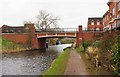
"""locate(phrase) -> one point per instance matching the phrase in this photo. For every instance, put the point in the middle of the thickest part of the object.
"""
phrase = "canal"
(30, 62)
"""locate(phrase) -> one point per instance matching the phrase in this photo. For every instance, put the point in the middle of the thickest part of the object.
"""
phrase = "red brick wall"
(61, 34)
(79, 36)
(77, 39)
(17, 38)
(95, 26)
(87, 36)
(106, 19)
(21, 39)
(40, 34)
(70, 34)
(111, 6)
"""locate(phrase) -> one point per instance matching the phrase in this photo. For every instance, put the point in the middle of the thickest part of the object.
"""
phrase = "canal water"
(30, 62)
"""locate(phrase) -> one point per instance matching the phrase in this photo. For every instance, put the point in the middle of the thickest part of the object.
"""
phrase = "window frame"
(119, 6)
(113, 11)
(92, 23)
(98, 22)
(97, 29)
(118, 23)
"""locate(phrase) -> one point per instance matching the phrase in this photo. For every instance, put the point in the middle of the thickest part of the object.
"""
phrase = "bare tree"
(46, 21)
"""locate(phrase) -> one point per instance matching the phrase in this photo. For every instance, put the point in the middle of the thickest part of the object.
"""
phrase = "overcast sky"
(71, 12)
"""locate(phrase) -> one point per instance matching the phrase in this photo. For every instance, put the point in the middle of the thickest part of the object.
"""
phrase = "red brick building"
(10, 29)
(95, 23)
(111, 19)
(106, 19)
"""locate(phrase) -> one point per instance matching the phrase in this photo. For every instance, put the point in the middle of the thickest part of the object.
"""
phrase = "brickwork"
(30, 37)
(17, 38)
(95, 23)
(112, 16)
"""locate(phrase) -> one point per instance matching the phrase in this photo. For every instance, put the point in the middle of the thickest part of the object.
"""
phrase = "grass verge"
(8, 46)
(59, 65)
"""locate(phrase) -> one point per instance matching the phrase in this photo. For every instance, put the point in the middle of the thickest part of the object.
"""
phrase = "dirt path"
(75, 65)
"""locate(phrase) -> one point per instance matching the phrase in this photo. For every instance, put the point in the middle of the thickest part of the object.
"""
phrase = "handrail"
(57, 30)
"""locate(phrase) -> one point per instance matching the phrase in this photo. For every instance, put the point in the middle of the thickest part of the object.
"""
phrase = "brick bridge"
(37, 39)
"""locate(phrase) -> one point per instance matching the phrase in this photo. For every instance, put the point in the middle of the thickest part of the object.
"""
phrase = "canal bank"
(30, 62)
(8, 46)
(59, 64)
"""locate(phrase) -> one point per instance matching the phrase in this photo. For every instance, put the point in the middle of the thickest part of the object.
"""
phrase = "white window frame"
(11, 30)
(19, 31)
(113, 11)
(119, 6)
(113, 25)
(7, 30)
(98, 22)
(119, 16)
(107, 17)
(118, 23)
(92, 29)
(97, 29)
(92, 23)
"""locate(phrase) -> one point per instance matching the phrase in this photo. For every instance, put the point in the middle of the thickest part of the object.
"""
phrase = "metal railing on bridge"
(85, 31)
(58, 30)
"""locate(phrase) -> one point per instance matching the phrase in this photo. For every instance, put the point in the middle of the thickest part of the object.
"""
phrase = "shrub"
(87, 43)
(107, 41)
(116, 55)
(96, 44)
(80, 49)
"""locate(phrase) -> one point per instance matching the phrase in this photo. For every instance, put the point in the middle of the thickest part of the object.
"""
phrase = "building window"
(107, 17)
(113, 11)
(103, 23)
(97, 29)
(119, 16)
(19, 31)
(7, 31)
(12, 31)
(92, 29)
(113, 25)
(92, 23)
(118, 23)
(98, 23)
(119, 6)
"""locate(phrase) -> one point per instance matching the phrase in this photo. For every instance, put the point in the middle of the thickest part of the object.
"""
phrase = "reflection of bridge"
(27, 35)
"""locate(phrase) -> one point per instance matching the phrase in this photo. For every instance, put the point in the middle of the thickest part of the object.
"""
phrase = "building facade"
(10, 29)
(106, 19)
(111, 19)
(95, 24)
(118, 14)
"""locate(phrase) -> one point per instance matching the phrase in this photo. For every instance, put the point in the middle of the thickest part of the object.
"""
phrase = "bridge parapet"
(55, 35)
(58, 30)
(92, 31)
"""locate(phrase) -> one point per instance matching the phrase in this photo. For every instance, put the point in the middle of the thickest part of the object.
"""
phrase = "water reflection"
(30, 62)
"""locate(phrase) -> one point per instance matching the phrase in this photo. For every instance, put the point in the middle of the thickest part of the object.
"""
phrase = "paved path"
(75, 65)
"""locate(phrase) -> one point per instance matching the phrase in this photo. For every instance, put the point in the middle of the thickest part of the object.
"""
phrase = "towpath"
(75, 65)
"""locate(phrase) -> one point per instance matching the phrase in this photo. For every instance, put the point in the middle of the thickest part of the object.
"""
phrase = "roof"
(6, 28)
(95, 19)
(17, 27)
(110, 1)
(106, 13)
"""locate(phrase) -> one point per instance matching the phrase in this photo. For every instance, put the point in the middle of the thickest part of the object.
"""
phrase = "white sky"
(71, 12)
